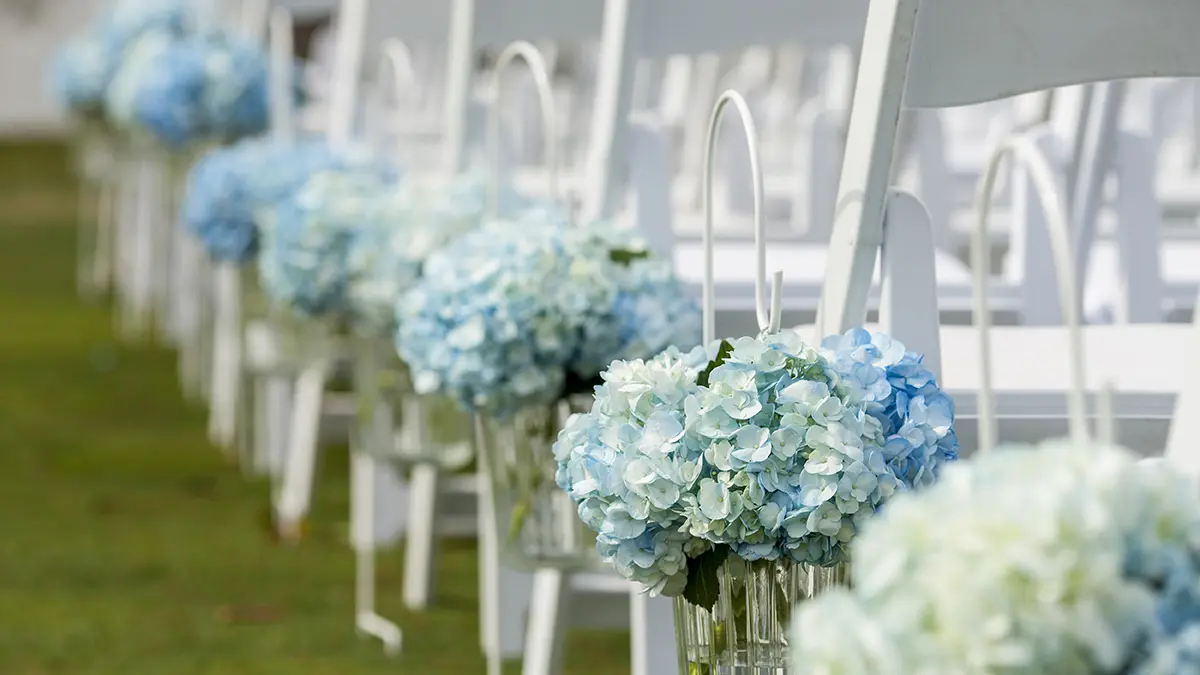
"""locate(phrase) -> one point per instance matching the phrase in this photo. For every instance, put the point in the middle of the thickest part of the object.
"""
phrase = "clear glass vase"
(398, 425)
(746, 632)
(536, 522)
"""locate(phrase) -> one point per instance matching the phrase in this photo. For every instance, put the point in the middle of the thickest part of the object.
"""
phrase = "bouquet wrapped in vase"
(735, 477)
(340, 253)
(515, 321)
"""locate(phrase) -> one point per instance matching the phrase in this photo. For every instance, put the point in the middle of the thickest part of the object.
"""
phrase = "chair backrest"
(639, 29)
(942, 53)
(476, 24)
(464, 27)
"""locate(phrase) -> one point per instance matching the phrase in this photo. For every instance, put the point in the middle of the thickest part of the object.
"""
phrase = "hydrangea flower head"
(528, 309)
(650, 309)
(182, 87)
(763, 450)
(138, 63)
(1055, 559)
(483, 326)
(229, 188)
(236, 88)
(80, 73)
(169, 93)
(405, 227)
(917, 416)
(305, 262)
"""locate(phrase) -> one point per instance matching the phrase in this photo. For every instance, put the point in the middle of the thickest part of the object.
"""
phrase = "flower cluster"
(1055, 559)
(305, 259)
(917, 417)
(81, 72)
(229, 188)
(527, 310)
(211, 86)
(650, 308)
(765, 452)
(163, 68)
(401, 229)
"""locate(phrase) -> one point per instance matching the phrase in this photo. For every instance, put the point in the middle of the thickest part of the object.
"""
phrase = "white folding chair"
(634, 30)
(468, 27)
(939, 53)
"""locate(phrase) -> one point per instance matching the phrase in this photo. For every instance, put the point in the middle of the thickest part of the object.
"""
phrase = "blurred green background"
(128, 546)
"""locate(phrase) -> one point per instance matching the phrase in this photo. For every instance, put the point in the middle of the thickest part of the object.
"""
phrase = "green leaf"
(519, 514)
(723, 353)
(783, 606)
(625, 256)
(703, 585)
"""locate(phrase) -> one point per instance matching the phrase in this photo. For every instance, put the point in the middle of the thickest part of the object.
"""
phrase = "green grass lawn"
(129, 547)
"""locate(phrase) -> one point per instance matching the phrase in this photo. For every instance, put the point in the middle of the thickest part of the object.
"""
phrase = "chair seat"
(1180, 260)
(1031, 359)
(803, 266)
(1030, 374)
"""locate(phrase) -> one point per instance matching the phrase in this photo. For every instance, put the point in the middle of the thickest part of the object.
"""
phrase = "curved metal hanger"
(536, 63)
(768, 320)
(1025, 151)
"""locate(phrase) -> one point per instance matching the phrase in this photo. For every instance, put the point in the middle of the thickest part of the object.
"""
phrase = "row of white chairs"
(629, 151)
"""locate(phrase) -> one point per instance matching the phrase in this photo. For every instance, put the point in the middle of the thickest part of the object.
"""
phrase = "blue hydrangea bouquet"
(164, 70)
(209, 87)
(82, 70)
(340, 253)
(735, 477)
(515, 321)
(231, 192)
(1060, 558)
(231, 189)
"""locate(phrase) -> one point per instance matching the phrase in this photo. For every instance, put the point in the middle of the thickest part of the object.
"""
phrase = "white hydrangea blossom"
(1056, 559)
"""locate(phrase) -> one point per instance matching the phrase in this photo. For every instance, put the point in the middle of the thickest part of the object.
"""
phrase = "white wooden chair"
(469, 27)
(1145, 270)
(821, 25)
(635, 30)
(935, 53)
(914, 58)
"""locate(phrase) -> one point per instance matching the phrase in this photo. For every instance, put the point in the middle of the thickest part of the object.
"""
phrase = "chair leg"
(278, 404)
(420, 541)
(363, 471)
(227, 356)
(547, 629)
(295, 493)
(652, 634)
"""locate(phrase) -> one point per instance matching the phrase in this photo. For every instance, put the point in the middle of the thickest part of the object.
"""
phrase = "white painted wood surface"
(28, 42)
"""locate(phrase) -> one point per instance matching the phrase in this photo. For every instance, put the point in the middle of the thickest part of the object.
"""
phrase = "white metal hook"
(349, 44)
(1024, 150)
(397, 57)
(536, 63)
(767, 320)
(283, 65)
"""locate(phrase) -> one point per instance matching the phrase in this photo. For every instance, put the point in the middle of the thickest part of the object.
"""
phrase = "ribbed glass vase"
(397, 424)
(536, 522)
(746, 632)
